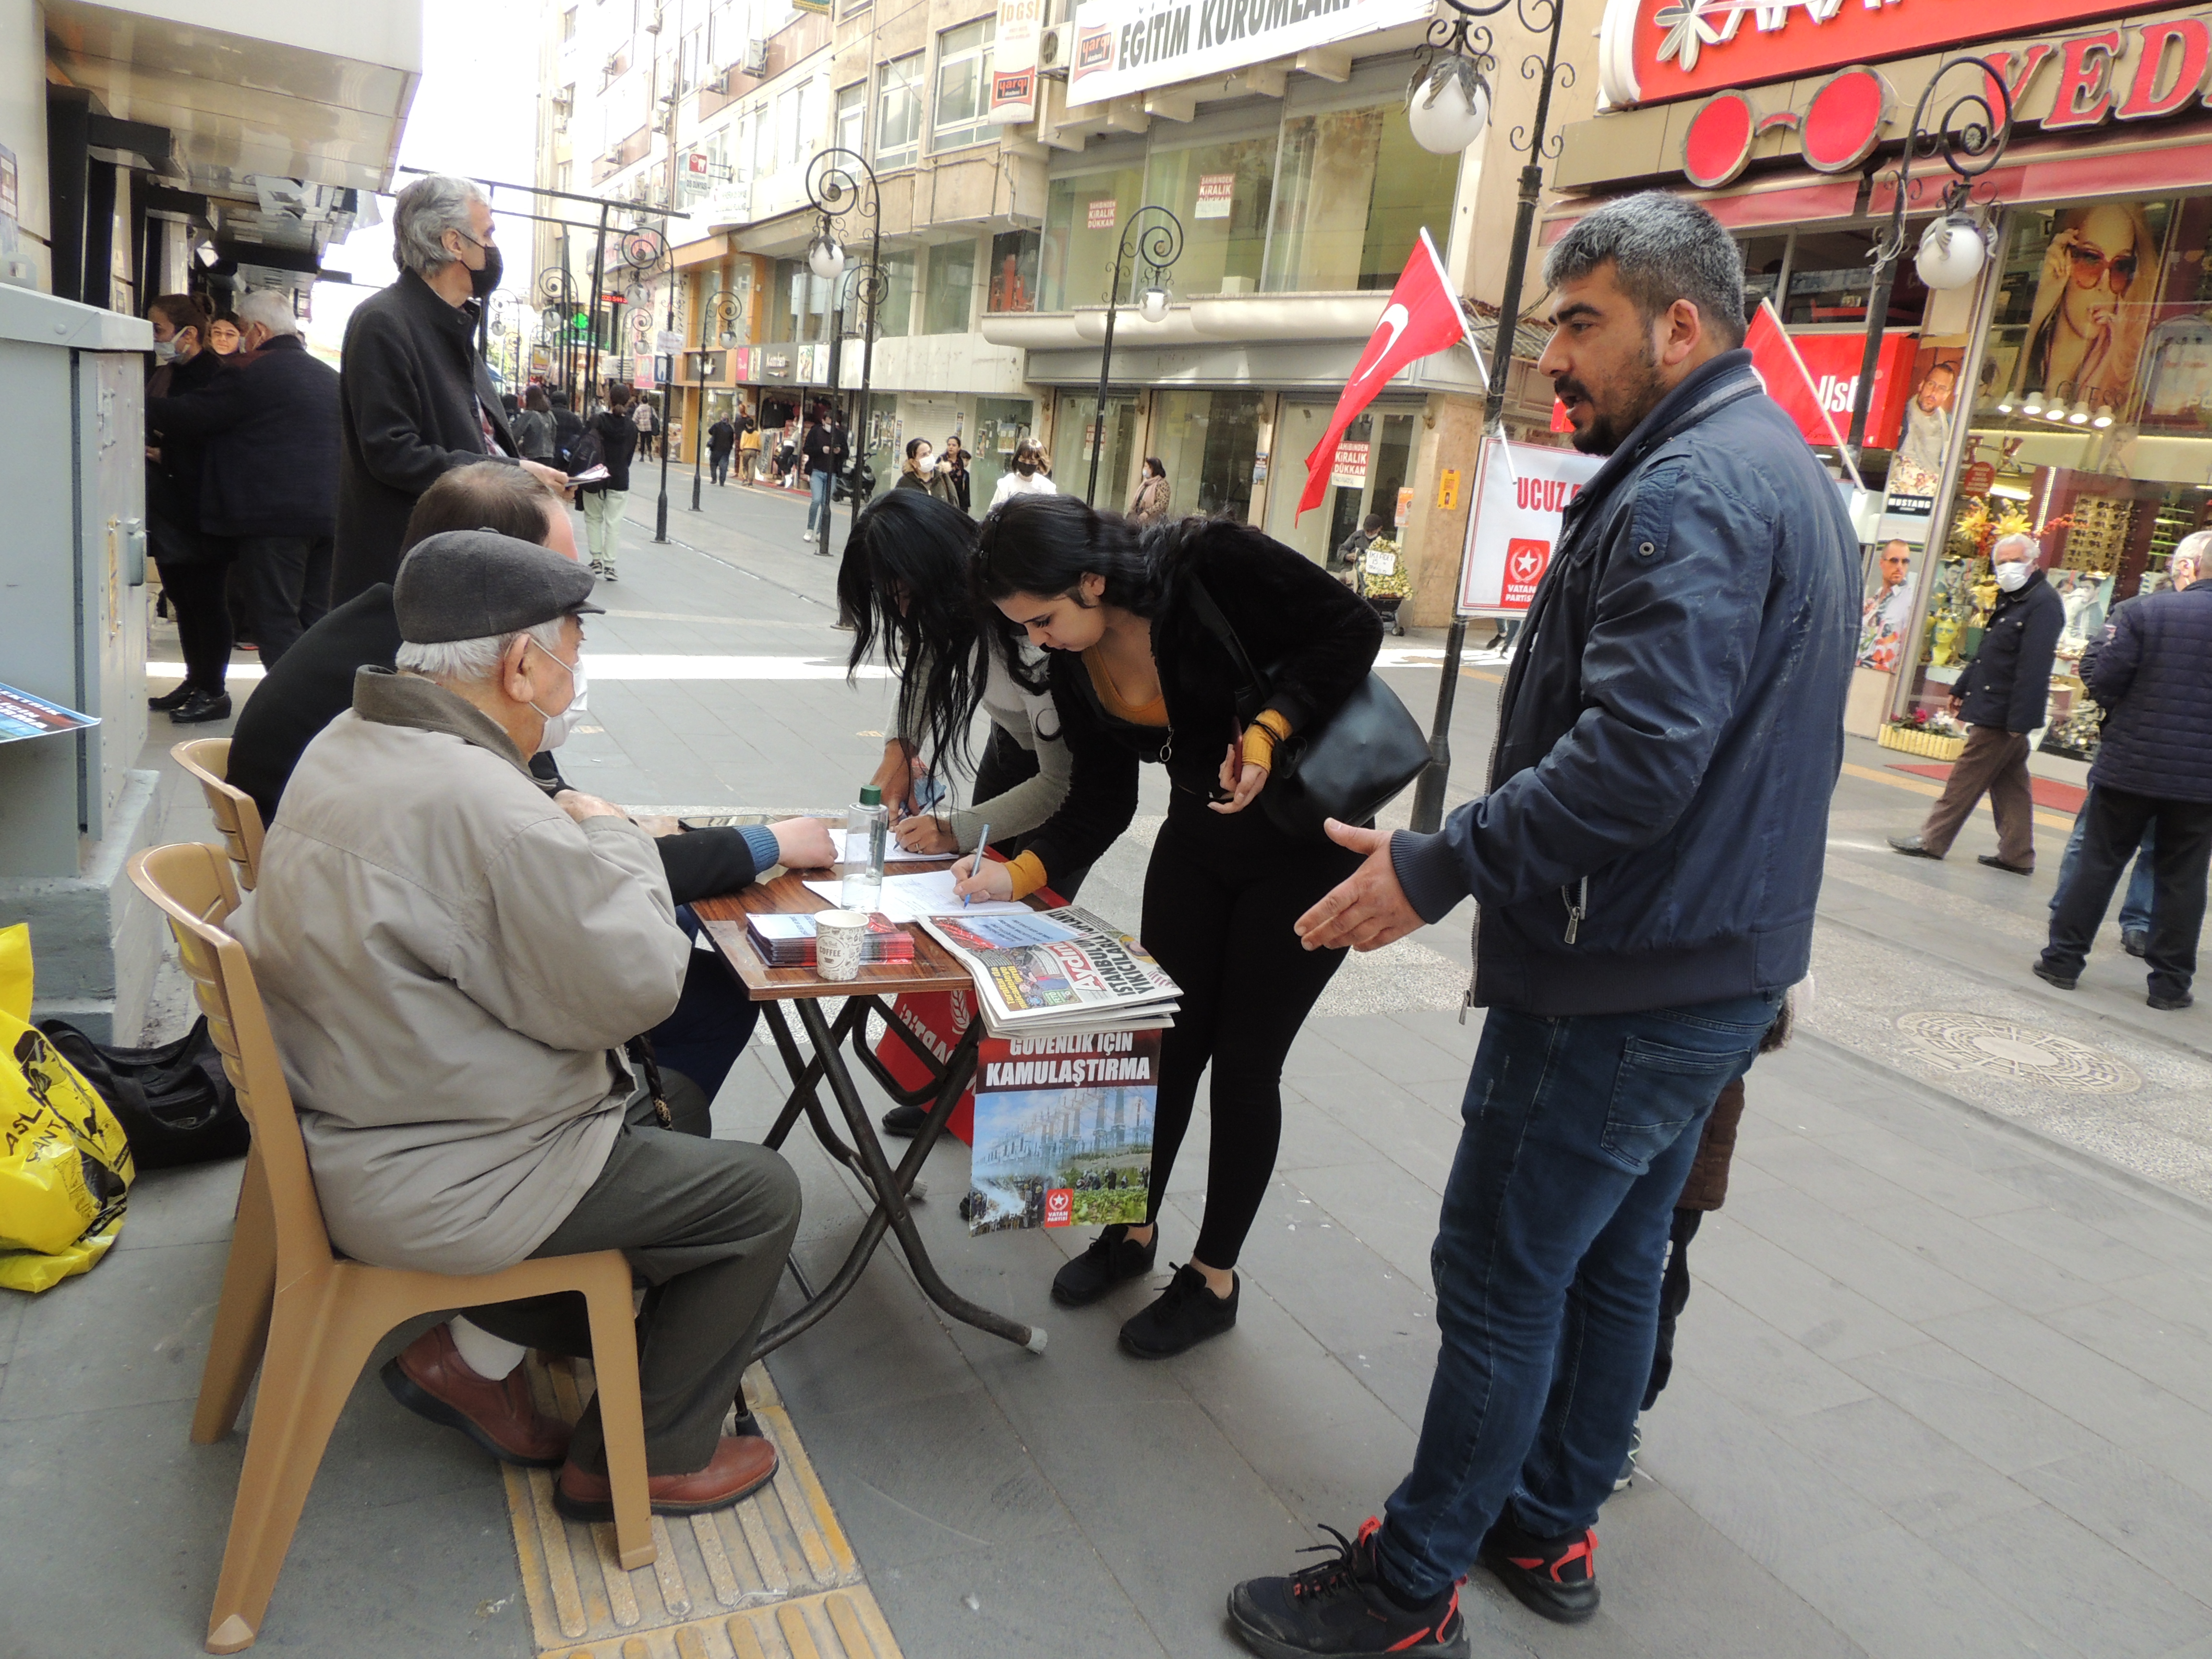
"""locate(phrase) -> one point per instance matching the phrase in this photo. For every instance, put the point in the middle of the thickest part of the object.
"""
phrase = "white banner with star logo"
(1520, 491)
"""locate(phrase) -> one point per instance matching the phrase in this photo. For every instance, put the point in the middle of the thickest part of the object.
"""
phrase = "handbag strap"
(1210, 616)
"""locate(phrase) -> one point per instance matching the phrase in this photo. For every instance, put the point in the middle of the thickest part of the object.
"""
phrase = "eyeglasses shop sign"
(1126, 46)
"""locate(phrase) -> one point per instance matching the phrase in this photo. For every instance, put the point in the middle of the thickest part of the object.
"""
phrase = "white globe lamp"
(1952, 251)
(1448, 106)
(1152, 303)
(825, 257)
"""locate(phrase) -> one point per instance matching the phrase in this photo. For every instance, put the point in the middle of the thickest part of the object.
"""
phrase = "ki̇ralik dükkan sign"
(1800, 69)
(1127, 46)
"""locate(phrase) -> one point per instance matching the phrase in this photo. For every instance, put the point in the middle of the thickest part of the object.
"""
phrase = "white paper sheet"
(909, 898)
(856, 850)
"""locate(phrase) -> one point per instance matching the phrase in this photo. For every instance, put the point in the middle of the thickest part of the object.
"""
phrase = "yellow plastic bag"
(66, 1169)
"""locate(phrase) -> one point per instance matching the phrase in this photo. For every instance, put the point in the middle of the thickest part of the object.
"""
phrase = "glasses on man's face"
(2092, 266)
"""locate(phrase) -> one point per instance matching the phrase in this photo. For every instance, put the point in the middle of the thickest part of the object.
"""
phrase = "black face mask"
(485, 278)
(1026, 468)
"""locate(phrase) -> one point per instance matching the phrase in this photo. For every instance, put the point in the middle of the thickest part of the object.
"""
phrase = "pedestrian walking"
(605, 501)
(823, 456)
(721, 438)
(415, 399)
(2002, 697)
(1136, 626)
(534, 434)
(1646, 858)
(1027, 477)
(269, 476)
(1150, 504)
(924, 470)
(955, 473)
(568, 428)
(749, 450)
(649, 424)
(2152, 672)
(193, 566)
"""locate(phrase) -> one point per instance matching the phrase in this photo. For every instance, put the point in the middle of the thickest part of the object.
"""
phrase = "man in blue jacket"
(2153, 674)
(1646, 864)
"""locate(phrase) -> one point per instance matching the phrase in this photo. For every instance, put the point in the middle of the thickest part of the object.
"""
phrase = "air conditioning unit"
(1055, 45)
(756, 59)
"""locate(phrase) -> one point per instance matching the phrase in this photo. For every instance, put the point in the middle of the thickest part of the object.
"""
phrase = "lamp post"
(1153, 241)
(863, 288)
(1448, 107)
(1970, 138)
(839, 183)
(720, 313)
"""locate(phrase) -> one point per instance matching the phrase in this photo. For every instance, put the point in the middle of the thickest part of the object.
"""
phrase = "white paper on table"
(909, 898)
(856, 850)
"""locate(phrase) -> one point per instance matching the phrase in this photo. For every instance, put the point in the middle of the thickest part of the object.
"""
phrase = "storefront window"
(894, 311)
(2090, 429)
(1832, 280)
(799, 303)
(1000, 424)
(1074, 434)
(1085, 217)
(1352, 194)
(1207, 439)
(1221, 193)
(1014, 257)
(950, 296)
(1374, 460)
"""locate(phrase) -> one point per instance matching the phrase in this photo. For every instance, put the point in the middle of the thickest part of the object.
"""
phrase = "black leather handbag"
(175, 1102)
(1351, 764)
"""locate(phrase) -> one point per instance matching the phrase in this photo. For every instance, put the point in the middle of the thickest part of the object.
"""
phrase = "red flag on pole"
(1423, 317)
(1775, 359)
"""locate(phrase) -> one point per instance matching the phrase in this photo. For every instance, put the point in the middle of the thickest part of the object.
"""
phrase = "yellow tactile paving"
(772, 1578)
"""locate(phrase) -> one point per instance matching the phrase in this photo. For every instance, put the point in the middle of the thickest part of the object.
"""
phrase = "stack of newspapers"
(1063, 970)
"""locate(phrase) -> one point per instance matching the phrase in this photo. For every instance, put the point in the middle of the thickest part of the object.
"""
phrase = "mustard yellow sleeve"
(1028, 871)
(1262, 737)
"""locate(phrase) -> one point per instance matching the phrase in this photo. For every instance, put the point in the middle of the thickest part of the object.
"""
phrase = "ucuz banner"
(1125, 46)
(1520, 491)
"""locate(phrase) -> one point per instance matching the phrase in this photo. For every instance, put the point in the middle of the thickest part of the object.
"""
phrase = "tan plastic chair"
(208, 759)
(317, 1315)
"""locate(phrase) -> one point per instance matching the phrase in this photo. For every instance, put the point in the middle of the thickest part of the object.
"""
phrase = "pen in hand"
(981, 842)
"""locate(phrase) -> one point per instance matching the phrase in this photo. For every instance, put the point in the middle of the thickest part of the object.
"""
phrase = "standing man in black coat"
(2001, 695)
(268, 480)
(415, 397)
(2153, 674)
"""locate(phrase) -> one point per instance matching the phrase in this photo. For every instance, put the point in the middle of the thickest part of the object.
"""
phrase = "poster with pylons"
(1063, 1130)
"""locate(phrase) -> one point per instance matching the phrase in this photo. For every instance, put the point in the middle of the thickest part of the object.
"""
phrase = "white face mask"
(558, 726)
(2013, 577)
(164, 351)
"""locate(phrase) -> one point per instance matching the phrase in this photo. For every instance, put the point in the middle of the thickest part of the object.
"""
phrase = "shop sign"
(1126, 46)
(1014, 61)
(1350, 469)
(1653, 52)
(1831, 364)
(2146, 72)
(778, 365)
(1977, 478)
(1520, 491)
(1100, 215)
(1215, 192)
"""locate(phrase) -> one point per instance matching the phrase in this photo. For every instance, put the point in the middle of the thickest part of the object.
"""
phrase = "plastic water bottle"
(864, 887)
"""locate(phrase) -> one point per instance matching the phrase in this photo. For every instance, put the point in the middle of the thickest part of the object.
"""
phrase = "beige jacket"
(448, 960)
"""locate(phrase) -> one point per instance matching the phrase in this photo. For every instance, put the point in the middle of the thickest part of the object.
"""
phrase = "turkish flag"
(1423, 317)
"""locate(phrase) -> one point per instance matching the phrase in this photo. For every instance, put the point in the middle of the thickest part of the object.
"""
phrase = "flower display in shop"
(1384, 586)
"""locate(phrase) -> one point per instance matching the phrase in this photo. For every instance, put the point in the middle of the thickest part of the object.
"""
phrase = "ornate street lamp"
(1970, 138)
(719, 317)
(1152, 243)
(1448, 106)
(841, 183)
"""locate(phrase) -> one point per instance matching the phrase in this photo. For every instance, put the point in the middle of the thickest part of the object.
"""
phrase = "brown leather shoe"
(742, 1465)
(430, 1378)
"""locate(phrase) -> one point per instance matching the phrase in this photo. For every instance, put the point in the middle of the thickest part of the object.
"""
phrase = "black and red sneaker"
(1340, 1608)
(1555, 1576)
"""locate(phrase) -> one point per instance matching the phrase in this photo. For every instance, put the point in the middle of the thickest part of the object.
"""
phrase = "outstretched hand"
(1367, 909)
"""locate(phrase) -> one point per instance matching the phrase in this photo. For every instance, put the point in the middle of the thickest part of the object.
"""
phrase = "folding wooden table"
(933, 968)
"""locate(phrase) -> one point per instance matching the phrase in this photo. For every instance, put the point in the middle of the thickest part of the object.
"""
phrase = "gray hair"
(1662, 249)
(470, 662)
(2034, 547)
(2196, 544)
(272, 310)
(424, 212)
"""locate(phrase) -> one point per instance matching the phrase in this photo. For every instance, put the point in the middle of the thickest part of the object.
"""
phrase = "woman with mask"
(922, 471)
(955, 473)
(1133, 621)
(1028, 476)
(1150, 504)
(192, 565)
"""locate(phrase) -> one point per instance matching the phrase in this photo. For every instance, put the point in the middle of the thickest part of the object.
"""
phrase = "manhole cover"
(1973, 1044)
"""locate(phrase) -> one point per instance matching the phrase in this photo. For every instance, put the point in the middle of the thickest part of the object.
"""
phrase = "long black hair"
(1046, 545)
(908, 545)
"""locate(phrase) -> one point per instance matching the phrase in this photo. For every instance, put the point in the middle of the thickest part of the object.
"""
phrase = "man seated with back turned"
(453, 965)
(313, 685)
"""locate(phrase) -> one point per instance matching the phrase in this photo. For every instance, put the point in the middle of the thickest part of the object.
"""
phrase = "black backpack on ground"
(175, 1102)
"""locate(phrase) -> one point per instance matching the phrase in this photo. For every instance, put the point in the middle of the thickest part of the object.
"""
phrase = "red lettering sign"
(1975, 478)
(1524, 567)
(1831, 361)
(1059, 1206)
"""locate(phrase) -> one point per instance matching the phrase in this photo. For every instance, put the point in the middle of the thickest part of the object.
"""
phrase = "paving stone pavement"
(1944, 1386)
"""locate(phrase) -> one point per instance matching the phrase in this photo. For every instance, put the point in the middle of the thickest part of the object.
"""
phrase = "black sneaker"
(1187, 1314)
(905, 1121)
(2170, 1001)
(1555, 1576)
(1113, 1257)
(183, 694)
(201, 706)
(1341, 1607)
(2050, 975)
(2136, 941)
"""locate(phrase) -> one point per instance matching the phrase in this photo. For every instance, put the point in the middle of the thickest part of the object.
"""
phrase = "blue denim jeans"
(1580, 1132)
(2134, 907)
(817, 509)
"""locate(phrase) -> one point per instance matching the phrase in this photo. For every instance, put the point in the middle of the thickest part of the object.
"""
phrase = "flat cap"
(478, 584)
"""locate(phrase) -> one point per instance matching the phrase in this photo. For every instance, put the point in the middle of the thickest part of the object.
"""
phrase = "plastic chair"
(317, 1315)
(208, 759)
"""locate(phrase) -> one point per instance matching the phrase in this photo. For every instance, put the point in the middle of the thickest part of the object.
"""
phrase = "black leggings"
(197, 594)
(1221, 896)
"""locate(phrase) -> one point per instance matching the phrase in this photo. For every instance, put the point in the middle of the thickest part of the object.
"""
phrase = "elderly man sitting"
(454, 964)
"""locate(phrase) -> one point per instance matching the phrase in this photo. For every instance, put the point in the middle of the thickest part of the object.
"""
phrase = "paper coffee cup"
(839, 938)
